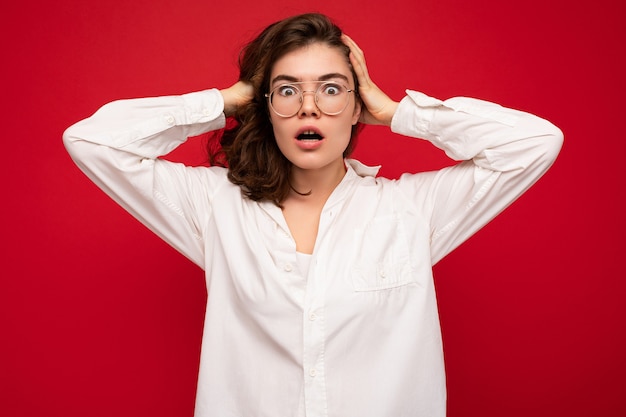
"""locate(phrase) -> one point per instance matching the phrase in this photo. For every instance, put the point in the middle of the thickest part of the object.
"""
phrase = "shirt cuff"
(204, 106)
(414, 114)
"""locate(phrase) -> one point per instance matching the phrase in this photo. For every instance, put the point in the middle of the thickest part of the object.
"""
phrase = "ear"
(358, 105)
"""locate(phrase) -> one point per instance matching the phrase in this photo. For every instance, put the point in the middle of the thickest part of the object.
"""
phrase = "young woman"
(320, 292)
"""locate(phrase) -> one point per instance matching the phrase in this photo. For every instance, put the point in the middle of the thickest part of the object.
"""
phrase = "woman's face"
(310, 139)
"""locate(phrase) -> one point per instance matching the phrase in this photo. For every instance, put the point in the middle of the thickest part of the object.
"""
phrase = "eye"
(331, 89)
(287, 90)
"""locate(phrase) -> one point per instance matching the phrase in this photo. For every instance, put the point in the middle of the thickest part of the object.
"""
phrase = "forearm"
(494, 137)
(148, 127)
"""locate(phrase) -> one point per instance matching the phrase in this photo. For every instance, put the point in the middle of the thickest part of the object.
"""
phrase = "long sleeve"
(118, 149)
(504, 152)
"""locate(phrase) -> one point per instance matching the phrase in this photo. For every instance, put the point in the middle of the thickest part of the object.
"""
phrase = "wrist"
(229, 106)
(235, 96)
(389, 112)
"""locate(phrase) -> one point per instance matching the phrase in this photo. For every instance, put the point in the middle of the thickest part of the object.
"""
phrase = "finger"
(357, 59)
(352, 44)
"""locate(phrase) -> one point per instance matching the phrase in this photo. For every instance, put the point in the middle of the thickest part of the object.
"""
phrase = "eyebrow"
(325, 77)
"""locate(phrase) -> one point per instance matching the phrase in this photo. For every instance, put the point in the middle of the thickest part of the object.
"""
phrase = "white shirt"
(358, 334)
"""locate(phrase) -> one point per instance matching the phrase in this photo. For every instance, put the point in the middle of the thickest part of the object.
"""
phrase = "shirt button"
(169, 120)
(382, 274)
(312, 316)
(206, 112)
(288, 267)
(312, 372)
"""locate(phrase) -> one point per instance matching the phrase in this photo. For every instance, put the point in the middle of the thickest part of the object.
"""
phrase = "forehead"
(311, 63)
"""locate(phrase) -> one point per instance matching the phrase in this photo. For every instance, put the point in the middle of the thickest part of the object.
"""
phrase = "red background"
(98, 317)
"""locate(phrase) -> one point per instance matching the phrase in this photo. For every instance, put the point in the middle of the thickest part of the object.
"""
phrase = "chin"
(311, 164)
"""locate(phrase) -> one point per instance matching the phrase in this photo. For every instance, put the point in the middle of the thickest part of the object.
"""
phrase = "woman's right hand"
(236, 96)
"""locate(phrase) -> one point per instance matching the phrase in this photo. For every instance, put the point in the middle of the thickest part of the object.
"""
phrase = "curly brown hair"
(248, 147)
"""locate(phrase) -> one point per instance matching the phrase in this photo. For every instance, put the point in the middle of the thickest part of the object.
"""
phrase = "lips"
(309, 133)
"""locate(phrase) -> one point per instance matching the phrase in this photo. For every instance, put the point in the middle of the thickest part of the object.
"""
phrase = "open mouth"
(309, 135)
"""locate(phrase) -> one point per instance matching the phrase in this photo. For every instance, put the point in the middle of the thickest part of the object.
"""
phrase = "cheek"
(279, 130)
(343, 133)
(275, 124)
(281, 134)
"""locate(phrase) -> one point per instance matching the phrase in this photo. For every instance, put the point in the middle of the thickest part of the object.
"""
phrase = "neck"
(316, 184)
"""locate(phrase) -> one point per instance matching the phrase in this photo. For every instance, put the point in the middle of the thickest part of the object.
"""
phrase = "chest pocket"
(382, 259)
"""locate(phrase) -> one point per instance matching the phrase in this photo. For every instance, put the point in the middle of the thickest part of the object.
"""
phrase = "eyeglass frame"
(302, 92)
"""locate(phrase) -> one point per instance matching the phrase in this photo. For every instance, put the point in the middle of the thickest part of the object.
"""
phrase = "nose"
(309, 106)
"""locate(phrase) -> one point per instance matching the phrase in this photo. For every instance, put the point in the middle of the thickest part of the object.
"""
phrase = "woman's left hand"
(378, 108)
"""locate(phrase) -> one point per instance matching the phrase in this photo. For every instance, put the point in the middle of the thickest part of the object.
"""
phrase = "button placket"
(314, 342)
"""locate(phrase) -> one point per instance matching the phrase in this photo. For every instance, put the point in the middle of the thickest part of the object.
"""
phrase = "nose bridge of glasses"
(314, 96)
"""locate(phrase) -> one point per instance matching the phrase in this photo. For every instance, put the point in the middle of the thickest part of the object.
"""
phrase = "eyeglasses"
(331, 98)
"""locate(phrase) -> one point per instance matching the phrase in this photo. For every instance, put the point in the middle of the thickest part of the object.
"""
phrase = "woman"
(320, 293)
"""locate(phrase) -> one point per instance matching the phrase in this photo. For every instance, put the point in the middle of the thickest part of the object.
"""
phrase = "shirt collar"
(355, 171)
(361, 169)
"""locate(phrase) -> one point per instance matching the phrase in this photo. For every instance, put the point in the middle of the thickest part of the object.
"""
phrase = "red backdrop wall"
(98, 317)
